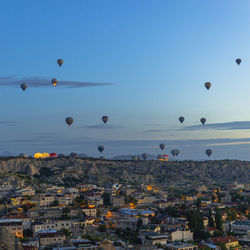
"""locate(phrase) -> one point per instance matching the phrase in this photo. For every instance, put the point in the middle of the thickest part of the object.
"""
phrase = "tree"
(106, 199)
(139, 224)
(55, 203)
(196, 225)
(218, 220)
(198, 203)
(102, 228)
(66, 232)
(210, 219)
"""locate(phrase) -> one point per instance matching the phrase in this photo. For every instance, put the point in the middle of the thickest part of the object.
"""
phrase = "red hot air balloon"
(53, 155)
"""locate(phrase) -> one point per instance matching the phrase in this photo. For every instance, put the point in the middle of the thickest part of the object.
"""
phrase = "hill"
(67, 171)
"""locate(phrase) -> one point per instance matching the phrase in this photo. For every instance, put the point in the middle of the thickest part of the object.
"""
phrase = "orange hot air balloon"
(54, 81)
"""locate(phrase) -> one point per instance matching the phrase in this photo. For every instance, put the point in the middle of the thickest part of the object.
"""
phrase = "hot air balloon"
(208, 85)
(203, 120)
(208, 152)
(100, 148)
(23, 155)
(23, 86)
(173, 152)
(53, 155)
(144, 156)
(238, 61)
(60, 62)
(73, 154)
(163, 157)
(54, 81)
(69, 121)
(162, 146)
(181, 119)
(105, 118)
(177, 151)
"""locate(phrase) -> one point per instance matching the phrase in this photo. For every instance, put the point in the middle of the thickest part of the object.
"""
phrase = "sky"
(143, 63)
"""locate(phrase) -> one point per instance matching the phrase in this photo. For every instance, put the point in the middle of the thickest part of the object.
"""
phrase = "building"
(51, 238)
(117, 201)
(45, 200)
(13, 225)
(90, 211)
(228, 241)
(202, 188)
(29, 191)
(156, 238)
(52, 225)
(125, 223)
(181, 246)
(45, 213)
(178, 235)
(20, 216)
(240, 226)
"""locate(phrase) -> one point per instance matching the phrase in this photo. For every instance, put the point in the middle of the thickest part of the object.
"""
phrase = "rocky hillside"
(8, 241)
(74, 170)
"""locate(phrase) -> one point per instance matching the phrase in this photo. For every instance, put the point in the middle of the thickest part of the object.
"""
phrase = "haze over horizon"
(142, 63)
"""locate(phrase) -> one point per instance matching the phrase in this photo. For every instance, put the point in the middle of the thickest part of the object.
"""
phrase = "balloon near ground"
(144, 156)
(73, 154)
(163, 157)
(23, 155)
(69, 121)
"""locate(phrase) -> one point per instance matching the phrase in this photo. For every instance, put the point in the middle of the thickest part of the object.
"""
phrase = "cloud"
(237, 125)
(155, 130)
(46, 82)
(102, 126)
(8, 123)
(227, 143)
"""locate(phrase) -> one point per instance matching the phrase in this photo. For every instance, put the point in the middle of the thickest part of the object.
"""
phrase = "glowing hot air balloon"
(54, 81)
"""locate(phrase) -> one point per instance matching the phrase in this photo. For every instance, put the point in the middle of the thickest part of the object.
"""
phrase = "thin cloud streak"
(37, 82)
(155, 130)
(102, 126)
(237, 125)
(8, 123)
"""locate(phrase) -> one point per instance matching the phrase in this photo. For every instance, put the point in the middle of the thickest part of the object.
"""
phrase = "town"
(124, 216)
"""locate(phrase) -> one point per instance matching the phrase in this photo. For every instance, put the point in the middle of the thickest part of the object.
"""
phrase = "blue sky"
(151, 59)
